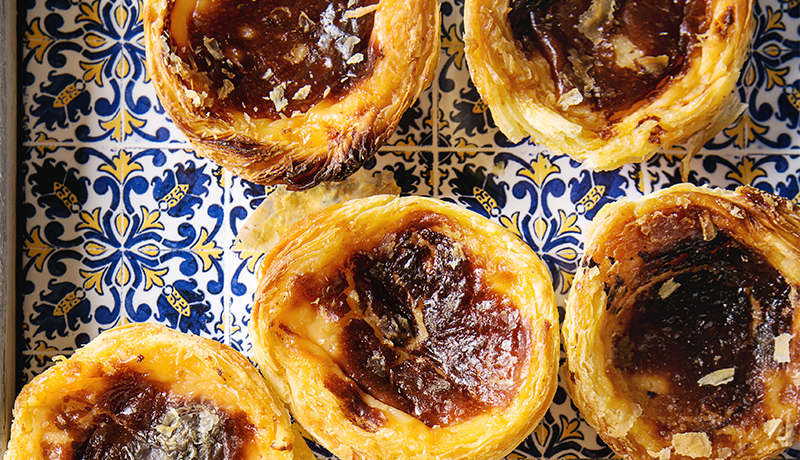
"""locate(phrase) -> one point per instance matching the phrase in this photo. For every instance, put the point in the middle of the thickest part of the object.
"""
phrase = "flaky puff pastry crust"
(190, 367)
(630, 234)
(297, 347)
(694, 106)
(334, 137)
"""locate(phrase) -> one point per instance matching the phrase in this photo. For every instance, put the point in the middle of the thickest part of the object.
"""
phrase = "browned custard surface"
(615, 53)
(272, 58)
(695, 305)
(427, 335)
(132, 417)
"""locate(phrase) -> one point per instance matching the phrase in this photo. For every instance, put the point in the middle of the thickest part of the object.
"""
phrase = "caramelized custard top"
(133, 417)
(426, 334)
(615, 53)
(273, 58)
(695, 333)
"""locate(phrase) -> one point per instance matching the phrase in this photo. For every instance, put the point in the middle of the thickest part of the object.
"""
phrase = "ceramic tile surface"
(123, 222)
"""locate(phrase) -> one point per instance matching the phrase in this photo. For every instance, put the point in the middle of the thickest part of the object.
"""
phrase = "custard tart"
(609, 82)
(290, 92)
(148, 392)
(680, 330)
(406, 327)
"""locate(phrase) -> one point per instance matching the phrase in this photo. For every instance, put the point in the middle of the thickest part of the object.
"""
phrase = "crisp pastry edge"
(611, 414)
(520, 92)
(331, 140)
(193, 367)
(410, 438)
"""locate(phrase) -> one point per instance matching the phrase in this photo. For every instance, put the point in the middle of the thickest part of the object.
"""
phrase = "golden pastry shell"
(694, 106)
(192, 367)
(333, 138)
(768, 224)
(297, 372)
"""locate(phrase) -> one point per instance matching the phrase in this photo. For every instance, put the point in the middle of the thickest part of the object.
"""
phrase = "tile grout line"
(385, 148)
(227, 298)
(435, 94)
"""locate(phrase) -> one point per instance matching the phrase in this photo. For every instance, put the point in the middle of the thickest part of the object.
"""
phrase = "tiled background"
(124, 223)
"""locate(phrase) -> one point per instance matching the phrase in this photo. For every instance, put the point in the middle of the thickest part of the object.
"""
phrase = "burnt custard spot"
(132, 417)
(703, 311)
(428, 336)
(356, 409)
(271, 59)
(612, 54)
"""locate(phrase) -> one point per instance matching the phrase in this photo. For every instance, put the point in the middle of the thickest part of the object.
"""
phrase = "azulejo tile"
(56, 97)
(176, 206)
(66, 302)
(131, 224)
(64, 188)
(147, 120)
(239, 322)
(242, 269)
(72, 295)
(472, 178)
(241, 265)
(528, 192)
(562, 433)
(76, 74)
(411, 168)
(768, 85)
(778, 174)
(182, 293)
(464, 120)
(47, 20)
(415, 128)
(177, 200)
(452, 12)
(570, 206)
(664, 169)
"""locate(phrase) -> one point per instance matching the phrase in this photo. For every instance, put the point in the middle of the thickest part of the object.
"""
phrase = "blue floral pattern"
(124, 222)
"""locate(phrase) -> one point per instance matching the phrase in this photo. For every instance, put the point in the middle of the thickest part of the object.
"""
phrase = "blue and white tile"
(178, 201)
(778, 174)
(769, 85)
(412, 169)
(528, 192)
(58, 100)
(239, 322)
(562, 433)
(465, 121)
(241, 265)
(54, 20)
(181, 292)
(415, 128)
(66, 194)
(68, 300)
(149, 123)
